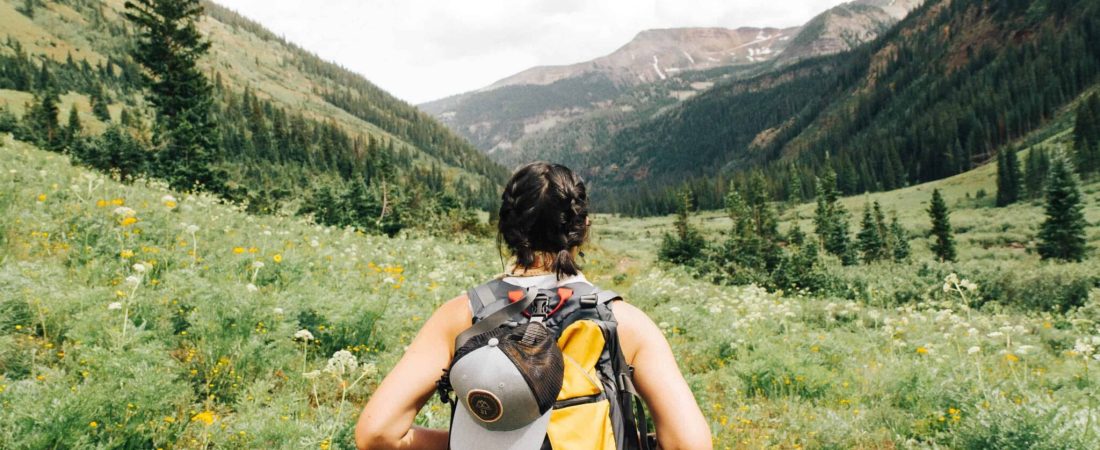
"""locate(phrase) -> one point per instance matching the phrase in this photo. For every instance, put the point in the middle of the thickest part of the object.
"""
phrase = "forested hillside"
(293, 133)
(547, 111)
(944, 90)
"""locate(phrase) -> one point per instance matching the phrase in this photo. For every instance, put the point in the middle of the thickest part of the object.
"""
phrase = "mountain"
(655, 69)
(945, 89)
(290, 123)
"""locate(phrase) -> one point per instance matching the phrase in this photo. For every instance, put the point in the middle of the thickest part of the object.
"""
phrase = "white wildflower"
(313, 243)
(125, 211)
(1084, 347)
(312, 375)
(973, 350)
(389, 280)
(133, 280)
(168, 198)
(303, 335)
(995, 334)
(139, 268)
(969, 285)
(251, 287)
(278, 311)
(192, 229)
(341, 362)
(257, 264)
(114, 306)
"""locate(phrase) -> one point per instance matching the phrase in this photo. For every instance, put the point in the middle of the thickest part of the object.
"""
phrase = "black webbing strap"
(497, 318)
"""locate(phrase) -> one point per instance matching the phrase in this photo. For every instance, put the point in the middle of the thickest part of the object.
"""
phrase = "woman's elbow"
(369, 437)
(700, 442)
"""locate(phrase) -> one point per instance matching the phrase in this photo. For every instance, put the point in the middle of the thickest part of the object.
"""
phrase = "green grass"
(193, 356)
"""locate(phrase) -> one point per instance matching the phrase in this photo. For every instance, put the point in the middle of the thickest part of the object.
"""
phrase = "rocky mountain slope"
(655, 69)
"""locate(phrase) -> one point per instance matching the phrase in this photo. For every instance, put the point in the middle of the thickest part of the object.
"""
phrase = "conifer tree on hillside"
(872, 245)
(169, 46)
(1086, 136)
(1062, 235)
(1036, 171)
(899, 241)
(73, 128)
(1008, 177)
(99, 104)
(686, 244)
(831, 220)
(41, 124)
(943, 245)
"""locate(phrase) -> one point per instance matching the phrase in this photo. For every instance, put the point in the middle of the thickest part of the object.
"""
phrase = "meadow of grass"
(136, 317)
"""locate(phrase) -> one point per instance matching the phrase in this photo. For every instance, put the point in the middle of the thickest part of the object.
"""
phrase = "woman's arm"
(387, 420)
(680, 423)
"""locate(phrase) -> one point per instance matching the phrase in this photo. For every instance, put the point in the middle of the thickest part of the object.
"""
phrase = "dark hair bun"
(544, 208)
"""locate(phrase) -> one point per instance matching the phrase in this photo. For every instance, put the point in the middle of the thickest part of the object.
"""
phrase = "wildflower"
(238, 250)
(973, 350)
(389, 280)
(169, 201)
(101, 203)
(206, 417)
(313, 243)
(278, 311)
(192, 229)
(1084, 347)
(303, 335)
(312, 375)
(125, 211)
(1011, 358)
(139, 268)
(341, 362)
(126, 254)
(41, 198)
(133, 280)
(922, 350)
(251, 287)
(127, 221)
(257, 264)
(118, 201)
(93, 424)
(278, 258)
(969, 285)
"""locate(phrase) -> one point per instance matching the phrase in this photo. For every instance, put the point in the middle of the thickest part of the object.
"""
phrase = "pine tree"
(28, 8)
(871, 243)
(1035, 173)
(1008, 177)
(899, 241)
(99, 104)
(169, 46)
(831, 220)
(1062, 235)
(73, 129)
(944, 244)
(686, 244)
(41, 122)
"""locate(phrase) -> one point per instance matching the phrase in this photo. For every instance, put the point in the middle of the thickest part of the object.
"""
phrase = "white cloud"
(421, 50)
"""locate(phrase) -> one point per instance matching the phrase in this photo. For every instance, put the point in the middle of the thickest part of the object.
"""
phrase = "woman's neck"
(542, 265)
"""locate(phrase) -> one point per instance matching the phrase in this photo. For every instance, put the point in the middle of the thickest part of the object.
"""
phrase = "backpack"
(598, 407)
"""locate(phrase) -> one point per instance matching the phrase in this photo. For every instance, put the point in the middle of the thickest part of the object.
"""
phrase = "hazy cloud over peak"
(421, 50)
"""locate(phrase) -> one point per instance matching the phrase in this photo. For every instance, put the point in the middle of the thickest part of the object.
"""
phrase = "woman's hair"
(544, 208)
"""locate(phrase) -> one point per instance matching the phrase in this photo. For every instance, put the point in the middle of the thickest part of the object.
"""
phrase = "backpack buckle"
(589, 300)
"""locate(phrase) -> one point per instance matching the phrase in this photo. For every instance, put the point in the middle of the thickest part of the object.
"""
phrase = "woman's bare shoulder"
(635, 328)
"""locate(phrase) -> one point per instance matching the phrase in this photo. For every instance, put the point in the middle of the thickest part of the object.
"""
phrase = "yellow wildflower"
(127, 221)
(277, 258)
(922, 351)
(1011, 358)
(93, 424)
(126, 254)
(118, 202)
(41, 197)
(238, 250)
(206, 417)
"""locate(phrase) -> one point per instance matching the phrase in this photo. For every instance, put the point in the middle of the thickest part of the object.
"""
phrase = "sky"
(422, 50)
